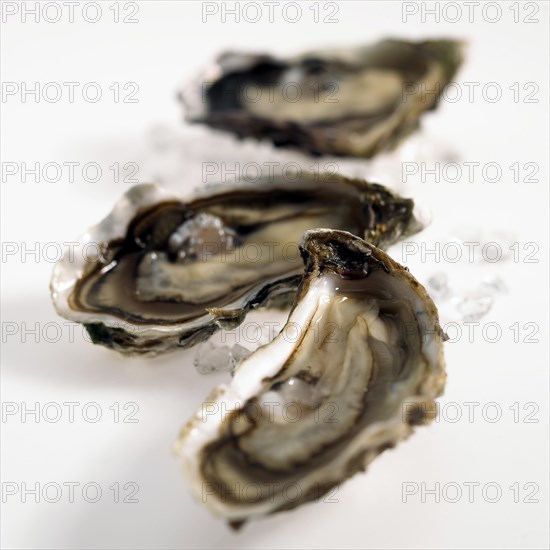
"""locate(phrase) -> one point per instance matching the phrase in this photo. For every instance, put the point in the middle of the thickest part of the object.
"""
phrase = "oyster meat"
(162, 272)
(351, 102)
(359, 362)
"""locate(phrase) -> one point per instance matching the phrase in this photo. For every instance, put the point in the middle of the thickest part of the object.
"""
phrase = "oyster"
(358, 363)
(351, 102)
(161, 272)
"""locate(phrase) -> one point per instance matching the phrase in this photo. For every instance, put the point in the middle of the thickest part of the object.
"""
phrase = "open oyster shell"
(352, 102)
(162, 272)
(358, 363)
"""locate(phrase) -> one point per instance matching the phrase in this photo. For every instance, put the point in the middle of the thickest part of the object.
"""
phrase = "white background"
(169, 45)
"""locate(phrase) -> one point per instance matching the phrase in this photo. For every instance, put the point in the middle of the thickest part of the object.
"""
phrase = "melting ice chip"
(211, 358)
(474, 305)
(202, 236)
(292, 393)
(439, 284)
